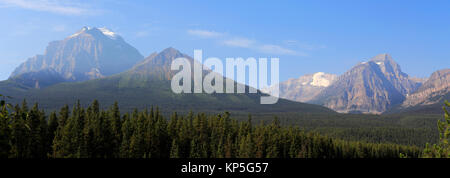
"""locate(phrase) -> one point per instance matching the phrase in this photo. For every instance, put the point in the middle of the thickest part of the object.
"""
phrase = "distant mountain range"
(96, 63)
(375, 86)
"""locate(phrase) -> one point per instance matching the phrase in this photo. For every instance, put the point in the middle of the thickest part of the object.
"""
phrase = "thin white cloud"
(204, 33)
(275, 49)
(239, 42)
(311, 47)
(263, 48)
(54, 6)
(304, 46)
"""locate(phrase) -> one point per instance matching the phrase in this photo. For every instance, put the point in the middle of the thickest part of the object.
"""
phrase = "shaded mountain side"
(435, 108)
(39, 79)
(430, 97)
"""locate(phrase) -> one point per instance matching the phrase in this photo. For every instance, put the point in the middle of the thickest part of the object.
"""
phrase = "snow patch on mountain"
(320, 80)
(108, 33)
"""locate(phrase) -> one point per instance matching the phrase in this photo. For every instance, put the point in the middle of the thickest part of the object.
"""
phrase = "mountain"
(363, 89)
(391, 70)
(148, 83)
(305, 88)
(88, 54)
(369, 87)
(429, 98)
(158, 64)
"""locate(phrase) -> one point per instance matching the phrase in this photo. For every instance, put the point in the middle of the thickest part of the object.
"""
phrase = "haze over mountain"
(103, 66)
(38, 79)
(436, 86)
(364, 88)
(369, 87)
(430, 96)
(88, 54)
(305, 88)
(109, 70)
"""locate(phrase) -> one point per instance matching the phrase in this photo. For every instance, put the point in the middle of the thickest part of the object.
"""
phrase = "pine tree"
(160, 137)
(52, 127)
(174, 150)
(195, 150)
(172, 128)
(70, 145)
(246, 149)
(5, 131)
(19, 135)
(219, 151)
(58, 144)
(108, 137)
(441, 150)
(127, 133)
(116, 125)
(36, 133)
(137, 143)
(229, 147)
(260, 145)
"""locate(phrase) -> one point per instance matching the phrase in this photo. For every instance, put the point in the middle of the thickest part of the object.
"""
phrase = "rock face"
(369, 87)
(305, 88)
(433, 91)
(391, 70)
(88, 54)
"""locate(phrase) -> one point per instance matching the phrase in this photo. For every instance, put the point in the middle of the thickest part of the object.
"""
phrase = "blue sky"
(307, 36)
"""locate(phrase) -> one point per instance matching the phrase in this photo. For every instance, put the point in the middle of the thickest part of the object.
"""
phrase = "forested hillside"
(95, 133)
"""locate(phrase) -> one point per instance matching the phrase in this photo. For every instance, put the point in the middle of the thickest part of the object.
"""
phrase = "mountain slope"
(391, 70)
(430, 97)
(363, 89)
(38, 79)
(304, 88)
(148, 83)
(88, 54)
(369, 87)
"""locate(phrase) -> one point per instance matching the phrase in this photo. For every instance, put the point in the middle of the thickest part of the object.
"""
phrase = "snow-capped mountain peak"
(89, 53)
(303, 88)
(110, 34)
